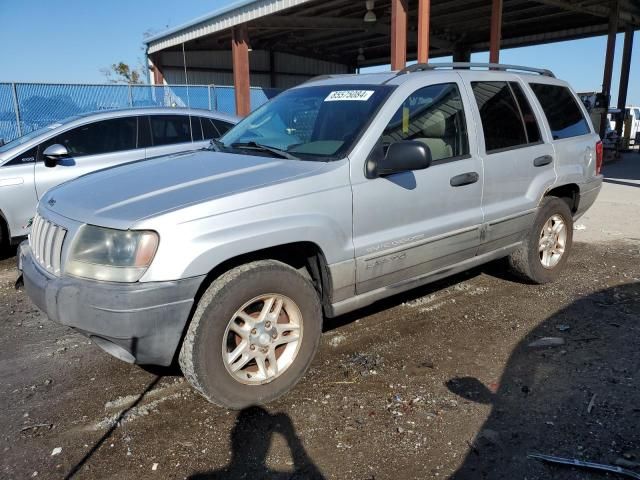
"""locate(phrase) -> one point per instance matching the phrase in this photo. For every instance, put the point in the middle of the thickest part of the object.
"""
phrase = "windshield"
(311, 123)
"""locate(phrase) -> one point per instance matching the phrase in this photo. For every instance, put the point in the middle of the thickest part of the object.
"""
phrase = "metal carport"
(279, 43)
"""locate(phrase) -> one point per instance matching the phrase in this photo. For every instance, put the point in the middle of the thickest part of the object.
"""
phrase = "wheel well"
(570, 193)
(306, 257)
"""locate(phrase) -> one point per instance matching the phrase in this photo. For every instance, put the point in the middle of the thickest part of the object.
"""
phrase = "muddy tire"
(253, 335)
(545, 251)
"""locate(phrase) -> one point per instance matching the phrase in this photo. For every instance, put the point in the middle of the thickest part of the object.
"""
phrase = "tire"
(224, 309)
(528, 261)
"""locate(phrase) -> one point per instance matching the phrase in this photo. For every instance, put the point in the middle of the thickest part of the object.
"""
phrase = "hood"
(117, 197)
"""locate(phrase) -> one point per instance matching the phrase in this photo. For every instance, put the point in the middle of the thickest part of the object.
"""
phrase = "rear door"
(92, 146)
(410, 224)
(573, 138)
(171, 134)
(517, 156)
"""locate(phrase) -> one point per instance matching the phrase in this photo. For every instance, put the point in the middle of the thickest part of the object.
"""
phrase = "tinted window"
(169, 129)
(222, 126)
(530, 122)
(98, 137)
(26, 157)
(434, 116)
(208, 129)
(561, 109)
(501, 121)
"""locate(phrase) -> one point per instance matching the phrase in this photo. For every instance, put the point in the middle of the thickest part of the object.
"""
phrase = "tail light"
(599, 157)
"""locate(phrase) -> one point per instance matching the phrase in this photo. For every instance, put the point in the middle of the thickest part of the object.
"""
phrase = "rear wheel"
(253, 335)
(544, 253)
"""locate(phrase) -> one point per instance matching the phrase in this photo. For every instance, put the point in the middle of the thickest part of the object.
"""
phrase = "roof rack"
(420, 67)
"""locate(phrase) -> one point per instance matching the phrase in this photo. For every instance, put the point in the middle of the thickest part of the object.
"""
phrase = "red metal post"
(424, 14)
(240, 55)
(158, 78)
(496, 31)
(398, 34)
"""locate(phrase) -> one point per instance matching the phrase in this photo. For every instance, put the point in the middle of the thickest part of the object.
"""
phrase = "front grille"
(46, 240)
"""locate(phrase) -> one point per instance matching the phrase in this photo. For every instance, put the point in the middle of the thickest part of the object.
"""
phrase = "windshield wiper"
(215, 145)
(265, 148)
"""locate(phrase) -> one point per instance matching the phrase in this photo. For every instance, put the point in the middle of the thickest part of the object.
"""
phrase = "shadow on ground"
(542, 403)
(250, 441)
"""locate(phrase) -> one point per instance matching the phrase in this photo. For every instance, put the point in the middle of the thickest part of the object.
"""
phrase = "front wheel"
(253, 335)
(545, 251)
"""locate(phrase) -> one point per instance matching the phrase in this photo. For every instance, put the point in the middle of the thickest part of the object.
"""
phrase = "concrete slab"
(616, 213)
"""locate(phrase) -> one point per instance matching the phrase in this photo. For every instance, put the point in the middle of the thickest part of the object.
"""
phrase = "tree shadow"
(577, 400)
(250, 441)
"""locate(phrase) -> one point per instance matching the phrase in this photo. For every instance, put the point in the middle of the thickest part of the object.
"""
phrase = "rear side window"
(562, 111)
(170, 129)
(96, 138)
(502, 122)
(434, 116)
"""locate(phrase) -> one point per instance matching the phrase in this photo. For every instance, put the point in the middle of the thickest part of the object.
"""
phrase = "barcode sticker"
(349, 95)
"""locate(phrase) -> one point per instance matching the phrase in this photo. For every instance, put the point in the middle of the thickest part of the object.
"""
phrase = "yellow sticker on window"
(405, 120)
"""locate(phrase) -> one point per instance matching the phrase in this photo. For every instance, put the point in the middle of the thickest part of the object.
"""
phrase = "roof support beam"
(398, 34)
(595, 10)
(624, 76)
(424, 14)
(608, 61)
(240, 56)
(496, 31)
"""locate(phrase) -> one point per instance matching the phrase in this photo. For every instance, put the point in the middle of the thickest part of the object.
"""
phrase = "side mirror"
(53, 154)
(401, 156)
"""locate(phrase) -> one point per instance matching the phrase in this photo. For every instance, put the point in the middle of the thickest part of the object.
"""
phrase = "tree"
(122, 73)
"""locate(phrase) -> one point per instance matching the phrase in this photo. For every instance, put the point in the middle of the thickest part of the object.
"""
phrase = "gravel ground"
(441, 382)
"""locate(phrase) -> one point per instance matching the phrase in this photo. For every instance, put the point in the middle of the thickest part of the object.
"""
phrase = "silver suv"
(335, 194)
(89, 142)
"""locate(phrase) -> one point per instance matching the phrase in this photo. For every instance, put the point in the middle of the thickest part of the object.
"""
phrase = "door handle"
(542, 161)
(464, 179)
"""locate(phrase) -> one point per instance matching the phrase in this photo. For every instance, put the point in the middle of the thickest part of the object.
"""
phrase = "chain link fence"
(28, 106)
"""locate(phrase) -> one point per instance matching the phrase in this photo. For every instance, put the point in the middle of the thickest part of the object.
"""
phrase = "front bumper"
(136, 322)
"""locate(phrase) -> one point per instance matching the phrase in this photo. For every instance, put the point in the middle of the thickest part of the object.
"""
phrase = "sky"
(72, 40)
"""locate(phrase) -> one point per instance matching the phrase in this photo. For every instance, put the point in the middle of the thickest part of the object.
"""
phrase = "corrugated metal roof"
(235, 14)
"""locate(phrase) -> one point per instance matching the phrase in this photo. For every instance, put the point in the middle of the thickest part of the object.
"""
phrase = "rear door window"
(170, 129)
(528, 118)
(502, 122)
(562, 111)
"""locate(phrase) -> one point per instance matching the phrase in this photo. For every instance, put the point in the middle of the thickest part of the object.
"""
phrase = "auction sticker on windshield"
(349, 95)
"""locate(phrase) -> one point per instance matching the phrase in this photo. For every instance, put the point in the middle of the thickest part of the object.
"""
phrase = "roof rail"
(419, 67)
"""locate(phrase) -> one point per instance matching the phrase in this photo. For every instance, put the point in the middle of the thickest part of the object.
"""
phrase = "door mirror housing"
(53, 154)
(401, 156)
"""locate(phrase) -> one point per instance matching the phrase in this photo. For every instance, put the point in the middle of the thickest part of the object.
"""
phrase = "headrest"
(434, 125)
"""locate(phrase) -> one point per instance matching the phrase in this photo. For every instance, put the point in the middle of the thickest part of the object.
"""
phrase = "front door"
(414, 223)
(91, 147)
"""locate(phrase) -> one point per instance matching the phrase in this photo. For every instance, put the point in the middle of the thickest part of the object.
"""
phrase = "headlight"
(111, 255)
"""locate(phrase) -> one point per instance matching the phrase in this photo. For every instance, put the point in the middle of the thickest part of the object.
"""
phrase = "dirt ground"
(441, 382)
